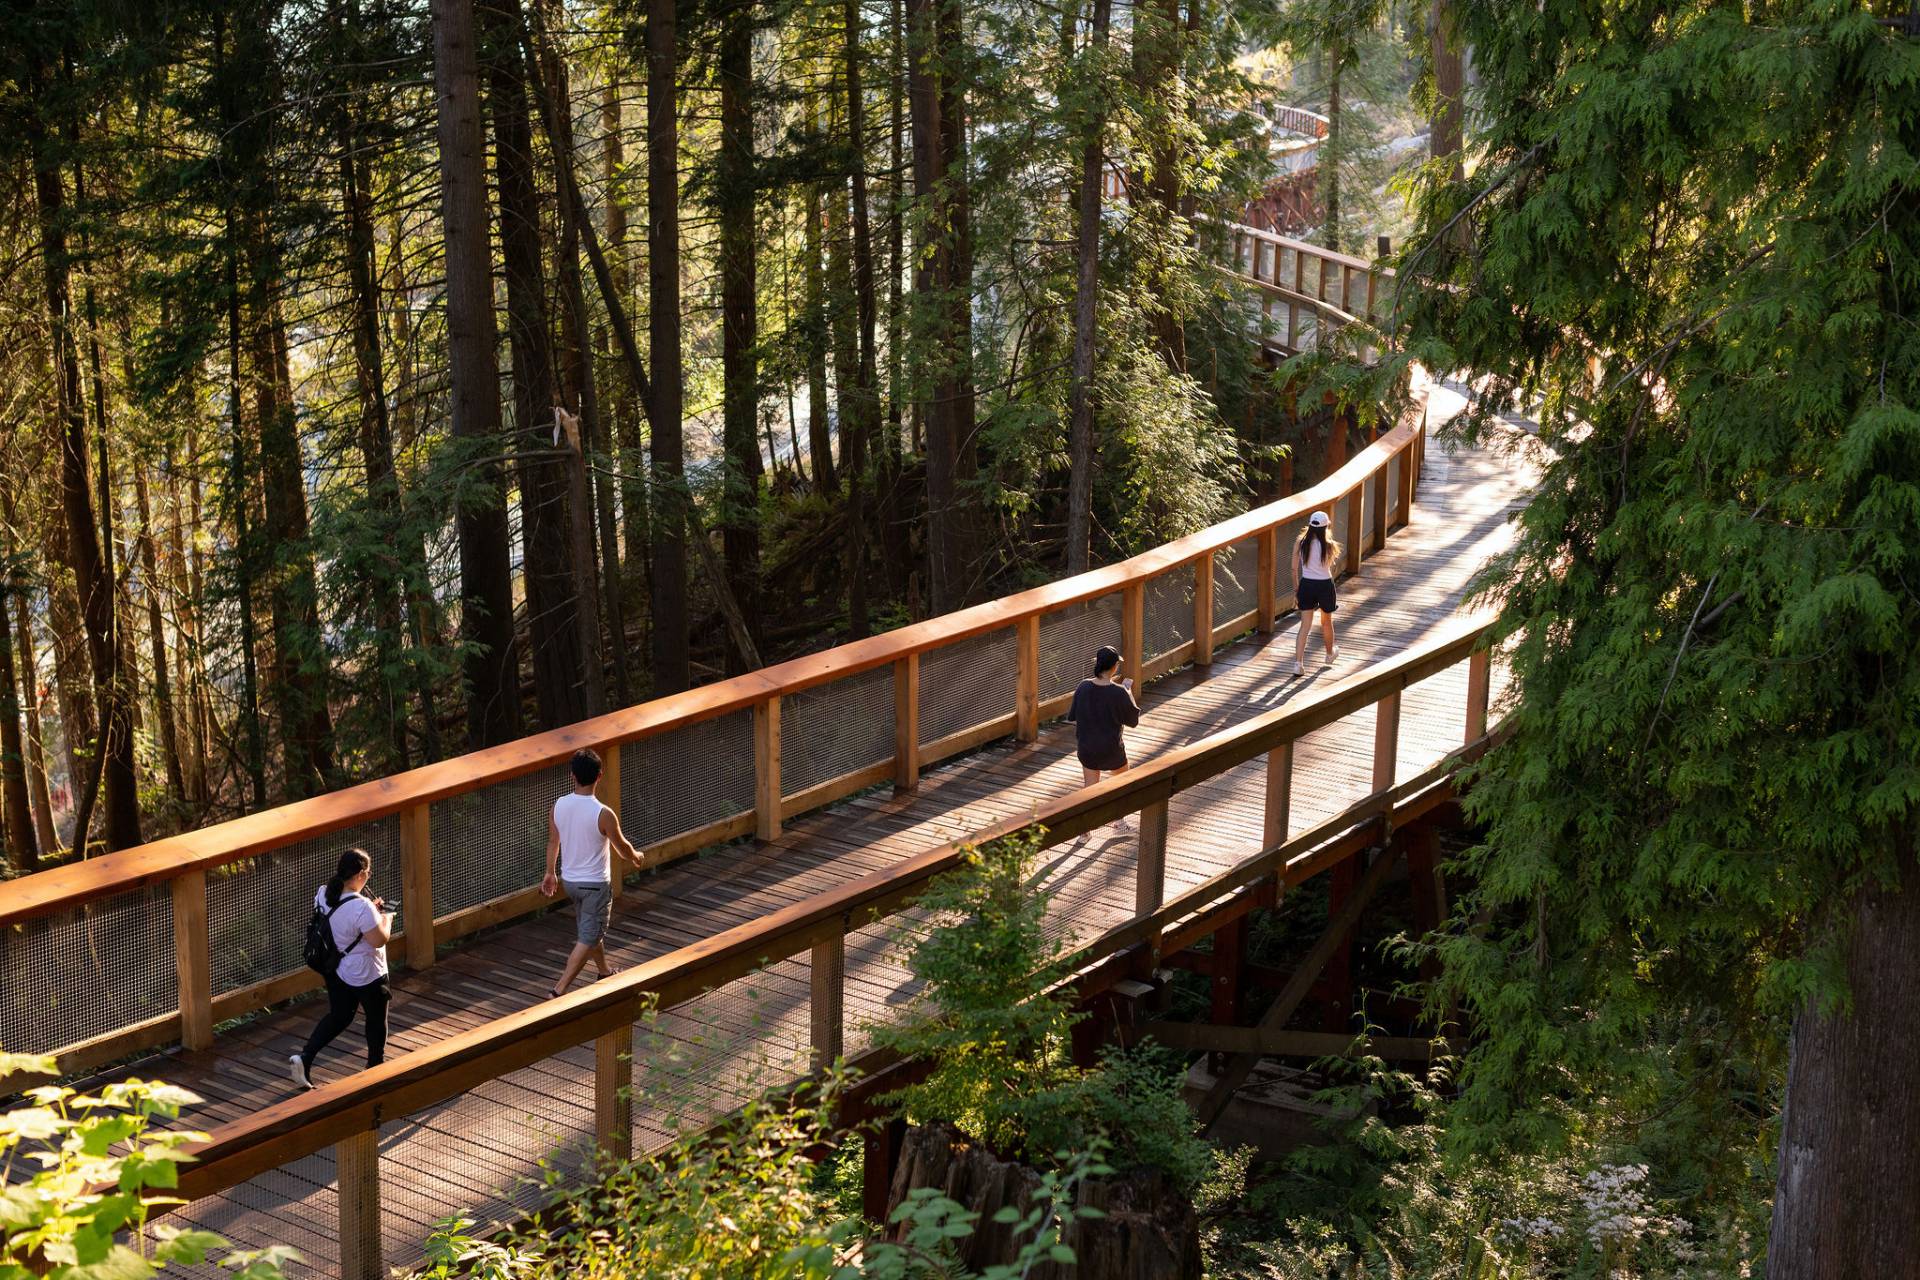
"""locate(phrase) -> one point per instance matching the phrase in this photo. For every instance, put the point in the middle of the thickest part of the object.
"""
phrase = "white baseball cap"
(1318, 519)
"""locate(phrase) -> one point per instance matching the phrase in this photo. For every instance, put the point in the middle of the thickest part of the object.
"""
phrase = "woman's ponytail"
(352, 863)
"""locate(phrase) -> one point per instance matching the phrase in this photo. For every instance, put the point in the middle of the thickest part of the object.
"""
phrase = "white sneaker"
(1334, 656)
(1299, 669)
(300, 1076)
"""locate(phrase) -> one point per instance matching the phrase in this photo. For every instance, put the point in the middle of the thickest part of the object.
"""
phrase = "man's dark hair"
(586, 766)
(1106, 660)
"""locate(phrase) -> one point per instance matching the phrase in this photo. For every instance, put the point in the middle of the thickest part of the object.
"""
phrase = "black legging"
(342, 1002)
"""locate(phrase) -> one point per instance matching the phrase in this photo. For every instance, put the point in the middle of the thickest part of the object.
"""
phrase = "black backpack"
(322, 952)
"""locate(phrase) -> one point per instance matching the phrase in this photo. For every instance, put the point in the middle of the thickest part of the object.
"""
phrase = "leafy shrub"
(100, 1159)
(997, 1032)
(745, 1202)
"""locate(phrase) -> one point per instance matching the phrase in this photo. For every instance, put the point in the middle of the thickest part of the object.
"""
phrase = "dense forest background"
(384, 379)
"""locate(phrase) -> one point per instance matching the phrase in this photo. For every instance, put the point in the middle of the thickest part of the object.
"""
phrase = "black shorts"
(1103, 756)
(1315, 593)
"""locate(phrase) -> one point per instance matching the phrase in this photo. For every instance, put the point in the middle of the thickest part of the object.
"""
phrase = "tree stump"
(1150, 1231)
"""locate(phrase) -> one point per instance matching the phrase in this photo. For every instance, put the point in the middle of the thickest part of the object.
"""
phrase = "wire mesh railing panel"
(833, 729)
(493, 841)
(257, 907)
(1393, 486)
(1236, 581)
(1168, 609)
(74, 975)
(1070, 637)
(701, 1059)
(296, 1203)
(968, 683)
(1433, 721)
(687, 778)
(1286, 538)
(879, 987)
(1338, 528)
(493, 1154)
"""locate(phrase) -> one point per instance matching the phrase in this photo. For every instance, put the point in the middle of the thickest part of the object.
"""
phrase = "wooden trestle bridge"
(801, 808)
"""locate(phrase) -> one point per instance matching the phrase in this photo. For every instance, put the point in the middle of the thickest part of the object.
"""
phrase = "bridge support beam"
(356, 1162)
(1279, 798)
(1150, 885)
(1479, 678)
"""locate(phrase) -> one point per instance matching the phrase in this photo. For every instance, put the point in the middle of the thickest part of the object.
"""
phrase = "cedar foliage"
(1690, 241)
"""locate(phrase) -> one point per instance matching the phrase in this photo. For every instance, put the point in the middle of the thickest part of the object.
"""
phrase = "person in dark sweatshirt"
(1103, 708)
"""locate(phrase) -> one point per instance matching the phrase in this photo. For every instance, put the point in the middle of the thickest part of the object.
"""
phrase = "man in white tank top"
(581, 835)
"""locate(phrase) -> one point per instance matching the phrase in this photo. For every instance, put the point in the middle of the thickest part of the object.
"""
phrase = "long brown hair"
(351, 864)
(1329, 549)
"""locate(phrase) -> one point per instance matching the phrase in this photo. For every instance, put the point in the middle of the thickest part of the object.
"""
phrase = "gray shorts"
(594, 902)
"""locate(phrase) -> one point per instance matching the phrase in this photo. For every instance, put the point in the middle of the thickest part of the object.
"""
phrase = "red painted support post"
(1337, 1014)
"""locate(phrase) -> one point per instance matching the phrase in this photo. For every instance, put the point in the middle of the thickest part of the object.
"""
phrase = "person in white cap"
(1314, 557)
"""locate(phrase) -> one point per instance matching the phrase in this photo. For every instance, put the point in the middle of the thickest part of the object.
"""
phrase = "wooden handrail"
(71, 885)
(309, 1122)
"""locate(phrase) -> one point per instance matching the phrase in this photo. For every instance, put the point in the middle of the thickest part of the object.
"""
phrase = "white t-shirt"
(585, 857)
(365, 963)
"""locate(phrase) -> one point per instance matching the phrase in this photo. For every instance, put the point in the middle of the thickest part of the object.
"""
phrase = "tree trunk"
(735, 184)
(554, 624)
(671, 497)
(486, 584)
(940, 285)
(1085, 304)
(815, 327)
(86, 558)
(582, 395)
(1160, 51)
(1146, 1230)
(22, 846)
(860, 413)
(1849, 1175)
(1330, 150)
(375, 432)
(164, 708)
(893, 517)
(239, 501)
(626, 414)
(293, 594)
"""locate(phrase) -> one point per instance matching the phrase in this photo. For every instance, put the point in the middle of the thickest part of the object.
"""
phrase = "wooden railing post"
(1267, 565)
(1479, 673)
(1406, 482)
(1377, 537)
(1151, 882)
(1133, 632)
(613, 1091)
(1386, 742)
(1026, 699)
(609, 788)
(356, 1162)
(416, 883)
(1279, 805)
(766, 768)
(193, 959)
(829, 983)
(1203, 611)
(1356, 508)
(906, 722)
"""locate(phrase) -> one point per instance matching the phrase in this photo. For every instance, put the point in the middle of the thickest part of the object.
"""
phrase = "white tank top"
(584, 856)
(1312, 563)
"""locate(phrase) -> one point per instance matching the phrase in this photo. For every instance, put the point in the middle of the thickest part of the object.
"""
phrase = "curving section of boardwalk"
(766, 950)
(445, 1129)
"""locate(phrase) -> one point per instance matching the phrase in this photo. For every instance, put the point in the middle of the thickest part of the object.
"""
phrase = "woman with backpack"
(1314, 558)
(354, 964)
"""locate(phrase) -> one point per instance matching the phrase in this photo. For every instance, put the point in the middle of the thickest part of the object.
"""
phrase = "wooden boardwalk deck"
(481, 1153)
